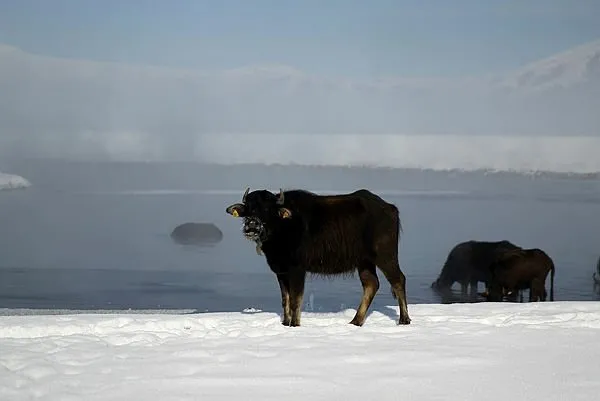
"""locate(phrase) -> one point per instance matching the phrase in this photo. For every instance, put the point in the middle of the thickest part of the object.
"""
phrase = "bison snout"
(253, 229)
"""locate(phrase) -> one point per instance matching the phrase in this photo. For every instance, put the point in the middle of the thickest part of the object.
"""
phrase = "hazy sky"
(334, 37)
(473, 87)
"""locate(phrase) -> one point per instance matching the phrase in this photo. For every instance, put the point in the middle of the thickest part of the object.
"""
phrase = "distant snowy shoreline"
(11, 181)
(585, 174)
(485, 171)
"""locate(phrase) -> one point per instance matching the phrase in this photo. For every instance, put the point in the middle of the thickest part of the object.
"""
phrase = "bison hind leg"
(370, 283)
(537, 291)
(393, 274)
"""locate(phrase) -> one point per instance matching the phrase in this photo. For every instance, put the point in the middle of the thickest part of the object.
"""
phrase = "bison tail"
(552, 281)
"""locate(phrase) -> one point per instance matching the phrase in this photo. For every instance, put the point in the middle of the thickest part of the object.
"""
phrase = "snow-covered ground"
(11, 181)
(540, 351)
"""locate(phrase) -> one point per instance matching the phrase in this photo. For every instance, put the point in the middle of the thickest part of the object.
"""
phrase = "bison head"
(262, 211)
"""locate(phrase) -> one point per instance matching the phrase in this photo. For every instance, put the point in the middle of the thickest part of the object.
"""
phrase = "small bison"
(468, 263)
(300, 232)
(519, 270)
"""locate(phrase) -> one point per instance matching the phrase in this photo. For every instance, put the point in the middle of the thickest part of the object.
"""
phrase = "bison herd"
(504, 268)
(300, 232)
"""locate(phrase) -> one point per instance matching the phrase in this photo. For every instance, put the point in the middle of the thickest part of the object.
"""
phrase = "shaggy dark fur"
(520, 270)
(468, 263)
(300, 232)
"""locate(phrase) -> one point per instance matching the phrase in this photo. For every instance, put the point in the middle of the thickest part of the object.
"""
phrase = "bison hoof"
(285, 322)
(404, 320)
(355, 322)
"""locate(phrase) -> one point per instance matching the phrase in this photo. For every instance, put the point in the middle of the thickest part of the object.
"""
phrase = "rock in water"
(197, 234)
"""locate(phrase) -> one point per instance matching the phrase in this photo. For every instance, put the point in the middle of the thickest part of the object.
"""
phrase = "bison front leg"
(464, 287)
(473, 287)
(495, 292)
(296, 286)
(284, 286)
(370, 284)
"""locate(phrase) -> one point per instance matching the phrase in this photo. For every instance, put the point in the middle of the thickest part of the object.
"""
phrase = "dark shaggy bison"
(468, 263)
(519, 270)
(196, 234)
(300, 232)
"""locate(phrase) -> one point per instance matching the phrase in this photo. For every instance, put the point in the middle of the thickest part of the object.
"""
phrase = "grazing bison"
(301, 232)
(196, 234)
(521, 269)
(468, 263)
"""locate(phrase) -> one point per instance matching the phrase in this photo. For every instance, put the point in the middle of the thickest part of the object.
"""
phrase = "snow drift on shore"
(546, 351)
(11, 181)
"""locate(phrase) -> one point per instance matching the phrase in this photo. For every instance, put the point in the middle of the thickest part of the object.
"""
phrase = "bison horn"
(245, 194)
(280, 198)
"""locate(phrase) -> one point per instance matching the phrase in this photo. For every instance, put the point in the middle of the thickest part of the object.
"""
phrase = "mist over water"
(542, 116)
(437, 152)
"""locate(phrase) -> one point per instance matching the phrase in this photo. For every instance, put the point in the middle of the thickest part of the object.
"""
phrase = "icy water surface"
(96, 236)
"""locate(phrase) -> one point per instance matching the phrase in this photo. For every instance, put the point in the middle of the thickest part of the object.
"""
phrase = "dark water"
(96, 236)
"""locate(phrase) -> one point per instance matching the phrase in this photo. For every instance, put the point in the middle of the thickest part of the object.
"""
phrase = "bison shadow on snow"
(197, 234)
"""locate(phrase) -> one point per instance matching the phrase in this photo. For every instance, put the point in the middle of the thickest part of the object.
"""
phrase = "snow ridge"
(460, 352)
(11, 181)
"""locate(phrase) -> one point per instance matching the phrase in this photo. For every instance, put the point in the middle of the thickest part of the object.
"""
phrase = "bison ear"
(236, 210)
(285, 213)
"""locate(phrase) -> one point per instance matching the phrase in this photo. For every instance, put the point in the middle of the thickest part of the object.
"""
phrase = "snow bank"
(10, 181)
(465, 352)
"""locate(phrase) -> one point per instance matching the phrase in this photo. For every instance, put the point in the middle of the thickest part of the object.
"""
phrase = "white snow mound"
(547, 351)
(11, 181)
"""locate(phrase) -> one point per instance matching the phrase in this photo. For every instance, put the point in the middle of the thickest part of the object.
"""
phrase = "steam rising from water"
(440, 152)
(437, 152)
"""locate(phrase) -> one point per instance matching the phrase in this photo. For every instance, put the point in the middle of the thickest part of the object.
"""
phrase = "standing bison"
(301, 232)
(520, 270)
(468, 263)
